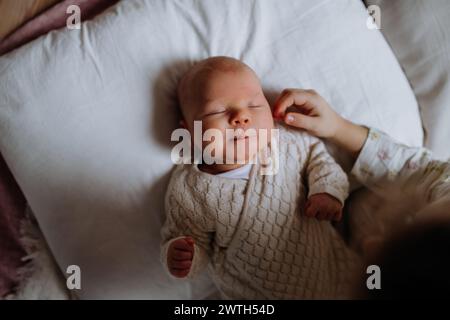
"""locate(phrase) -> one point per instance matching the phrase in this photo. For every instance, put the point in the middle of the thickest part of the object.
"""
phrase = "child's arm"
(384, 164)
(380, 160)
(327, 182)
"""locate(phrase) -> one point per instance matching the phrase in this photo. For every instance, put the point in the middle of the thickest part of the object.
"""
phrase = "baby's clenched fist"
(179, 257)
(323, 206)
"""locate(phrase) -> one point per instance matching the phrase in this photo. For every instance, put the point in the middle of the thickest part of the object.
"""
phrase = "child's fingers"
(287, 98)
(331, 216)
(179, 273)
(310, 211)
(335, 213)
(183, 245)
(291, 97)
(307, 204)
(338, 215)
(322, 215)
(327, 213)
(182, 255)
(284, 101)
(301, 121)
(185, 264)
(190, 241)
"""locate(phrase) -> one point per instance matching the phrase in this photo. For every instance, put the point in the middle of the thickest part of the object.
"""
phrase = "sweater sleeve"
(181, 222)
(324, 174)
(383, 162)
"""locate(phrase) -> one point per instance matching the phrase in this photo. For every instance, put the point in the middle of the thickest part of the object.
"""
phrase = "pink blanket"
(12, 209)
(53, 18)
(12, 201)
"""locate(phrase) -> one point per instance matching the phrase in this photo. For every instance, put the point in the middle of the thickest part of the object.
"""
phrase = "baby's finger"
(185, 264)
(338, 215)
(183, 245)
(307, 204)
(310, 211)
(322, 215)
(190, 241)
(325, 214)
(182, 255)
(331, 216)
(179, 273)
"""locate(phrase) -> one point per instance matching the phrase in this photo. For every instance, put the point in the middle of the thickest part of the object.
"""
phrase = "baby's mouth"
(241, 138)
(241, 134)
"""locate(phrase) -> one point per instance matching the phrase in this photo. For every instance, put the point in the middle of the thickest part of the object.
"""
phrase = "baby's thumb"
(300, 121)
(190, 241)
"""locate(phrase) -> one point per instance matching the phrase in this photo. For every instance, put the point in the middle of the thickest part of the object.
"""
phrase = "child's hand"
(179, 257)
(323, 206)
(319, 119)
(312, 113)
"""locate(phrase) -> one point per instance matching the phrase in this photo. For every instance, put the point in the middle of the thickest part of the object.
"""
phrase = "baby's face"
(231, 100)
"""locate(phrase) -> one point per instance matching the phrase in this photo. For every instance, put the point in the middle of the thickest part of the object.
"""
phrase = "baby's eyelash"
(254, 107)
(215, 112)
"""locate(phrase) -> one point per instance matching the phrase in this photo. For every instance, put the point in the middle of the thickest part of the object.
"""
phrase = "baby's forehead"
(205, 74)
(216, 66)
(240, 82)
(196, 82)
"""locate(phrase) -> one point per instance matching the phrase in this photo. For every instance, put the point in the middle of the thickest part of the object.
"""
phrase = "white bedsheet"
(86, 115)
(419, 34)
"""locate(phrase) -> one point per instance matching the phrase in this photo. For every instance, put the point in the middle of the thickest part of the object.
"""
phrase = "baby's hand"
(307, 110)
(179, 257)
(323, 206)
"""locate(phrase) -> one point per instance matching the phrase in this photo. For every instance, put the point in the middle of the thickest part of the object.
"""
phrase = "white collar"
(238, 173)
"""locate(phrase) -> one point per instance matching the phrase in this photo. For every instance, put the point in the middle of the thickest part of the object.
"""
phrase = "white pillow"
(86, 116)
(419, 34)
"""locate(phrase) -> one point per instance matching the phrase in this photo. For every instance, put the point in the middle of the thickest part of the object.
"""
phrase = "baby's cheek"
(215, 149)
(268, 121)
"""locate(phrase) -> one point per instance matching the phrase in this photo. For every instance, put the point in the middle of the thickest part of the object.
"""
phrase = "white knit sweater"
(253, 233)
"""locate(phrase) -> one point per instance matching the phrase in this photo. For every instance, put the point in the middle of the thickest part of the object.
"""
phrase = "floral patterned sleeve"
(384, 163)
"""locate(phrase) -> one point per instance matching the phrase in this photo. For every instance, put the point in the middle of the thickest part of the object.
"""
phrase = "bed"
(85, 117)
(26, 21)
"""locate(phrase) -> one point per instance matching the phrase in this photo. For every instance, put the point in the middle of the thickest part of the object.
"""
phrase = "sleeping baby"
(261, 236)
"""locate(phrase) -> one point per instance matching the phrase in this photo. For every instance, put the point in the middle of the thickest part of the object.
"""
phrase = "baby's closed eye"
(214, 112)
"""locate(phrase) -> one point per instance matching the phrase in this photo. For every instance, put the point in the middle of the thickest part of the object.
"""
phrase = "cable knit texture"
(253, 233)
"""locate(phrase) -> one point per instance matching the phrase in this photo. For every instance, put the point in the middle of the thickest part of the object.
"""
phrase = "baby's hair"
(200, 70)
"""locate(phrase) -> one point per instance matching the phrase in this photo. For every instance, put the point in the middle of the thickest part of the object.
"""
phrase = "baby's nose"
(240, 118)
